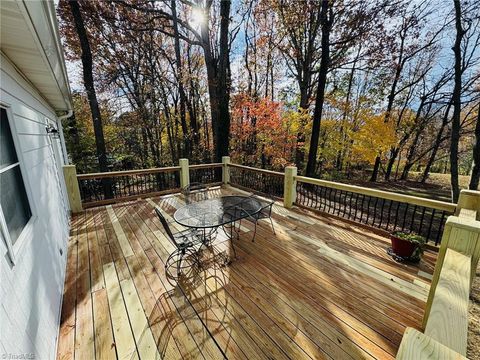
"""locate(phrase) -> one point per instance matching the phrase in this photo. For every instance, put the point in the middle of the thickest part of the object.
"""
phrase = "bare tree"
(87, 63)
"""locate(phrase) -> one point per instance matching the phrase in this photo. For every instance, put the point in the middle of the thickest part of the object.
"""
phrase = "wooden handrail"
(409, 199)
(127, 173)
(206, 166)
(448, 318)
(264, 171)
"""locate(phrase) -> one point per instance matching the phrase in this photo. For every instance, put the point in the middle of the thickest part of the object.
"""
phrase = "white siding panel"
(31, 289)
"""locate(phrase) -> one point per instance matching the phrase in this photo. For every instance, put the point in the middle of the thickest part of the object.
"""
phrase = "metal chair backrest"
(166, 226)
(266, 210)
(197, 188)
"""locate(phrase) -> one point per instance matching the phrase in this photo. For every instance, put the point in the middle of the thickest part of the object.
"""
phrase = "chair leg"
(233, 247)
(254, 231)
(179, 263)
(271, 223)
(169, 258)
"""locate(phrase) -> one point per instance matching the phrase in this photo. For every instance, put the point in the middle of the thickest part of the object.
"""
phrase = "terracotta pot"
(402, 247)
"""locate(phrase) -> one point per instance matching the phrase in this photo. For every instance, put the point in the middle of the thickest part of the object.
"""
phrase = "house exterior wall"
(31, 288)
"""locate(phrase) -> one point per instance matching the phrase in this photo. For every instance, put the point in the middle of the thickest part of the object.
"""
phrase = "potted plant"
(407, 246)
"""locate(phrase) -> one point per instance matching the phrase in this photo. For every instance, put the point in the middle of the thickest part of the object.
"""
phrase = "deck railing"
(380, 209)
(206, 173)
(262, 181)
(97, 189)
(383, 210)
(106, 188)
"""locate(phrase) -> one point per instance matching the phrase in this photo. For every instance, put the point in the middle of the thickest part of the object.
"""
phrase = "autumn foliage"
(262, 133)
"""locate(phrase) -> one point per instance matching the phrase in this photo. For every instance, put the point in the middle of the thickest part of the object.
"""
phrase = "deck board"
(319, 288)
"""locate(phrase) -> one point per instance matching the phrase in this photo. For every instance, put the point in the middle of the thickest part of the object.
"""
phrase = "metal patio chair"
(186, 242)
(195, 192)
(264, 213)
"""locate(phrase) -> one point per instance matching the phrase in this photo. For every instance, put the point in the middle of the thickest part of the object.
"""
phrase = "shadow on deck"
(319, 288)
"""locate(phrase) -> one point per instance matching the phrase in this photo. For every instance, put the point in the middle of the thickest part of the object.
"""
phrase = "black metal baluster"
(342, 203)
(359, 209)
(405, 216)
(381, 213)
(334, 197)
(396, 216)
(322, 198)
(389, 212)
(356, 207)
(440, 228)
(345, 203)
(375, 212)
(429, 232)
(368, 209)
(318, 191)
(421, 220)
(327, 199)
(310, 197)
(412, 223)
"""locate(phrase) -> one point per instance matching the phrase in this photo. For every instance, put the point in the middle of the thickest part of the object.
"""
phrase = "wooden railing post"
(73, 191)
(289, 186)
(469, 200)
(184, 173)
(225, 170)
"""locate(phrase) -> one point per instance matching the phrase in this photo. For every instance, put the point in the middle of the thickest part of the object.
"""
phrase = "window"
(15, 211)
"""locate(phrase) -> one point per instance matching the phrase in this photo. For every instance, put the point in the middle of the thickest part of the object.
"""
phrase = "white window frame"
(27, 232)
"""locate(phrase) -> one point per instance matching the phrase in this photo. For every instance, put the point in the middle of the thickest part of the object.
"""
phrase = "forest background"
(354, 91)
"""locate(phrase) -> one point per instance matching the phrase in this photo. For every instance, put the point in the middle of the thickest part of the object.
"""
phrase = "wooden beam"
(448, 319)
(416, 345)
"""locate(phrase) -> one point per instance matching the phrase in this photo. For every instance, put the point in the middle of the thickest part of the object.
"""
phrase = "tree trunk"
(376, 168)
(410, 155)
(391, 161)
(326, 19)
(181, 89)
(218, 82)
(87, 64)
(456, 97)
(475, 176)
(438, 140)
(192, 105)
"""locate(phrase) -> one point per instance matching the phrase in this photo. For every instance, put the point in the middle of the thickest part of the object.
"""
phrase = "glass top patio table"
(216, 212)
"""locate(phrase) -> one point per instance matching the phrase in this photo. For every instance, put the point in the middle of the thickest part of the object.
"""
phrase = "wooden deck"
(319, 288)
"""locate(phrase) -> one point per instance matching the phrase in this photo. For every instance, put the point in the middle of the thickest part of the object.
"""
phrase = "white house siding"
(31, 289)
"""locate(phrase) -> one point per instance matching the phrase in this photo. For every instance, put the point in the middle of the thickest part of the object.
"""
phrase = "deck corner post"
(225, 170)
(289, 186)
(184, 173)
(469, 200)
(73, 190)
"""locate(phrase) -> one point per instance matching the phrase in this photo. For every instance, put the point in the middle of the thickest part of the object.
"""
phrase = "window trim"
(27, 233)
